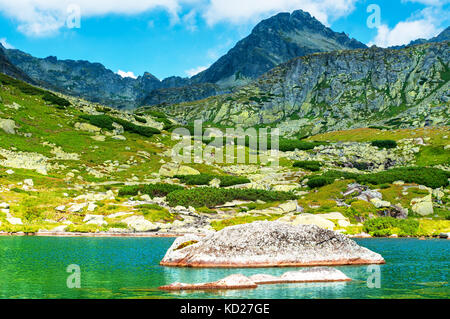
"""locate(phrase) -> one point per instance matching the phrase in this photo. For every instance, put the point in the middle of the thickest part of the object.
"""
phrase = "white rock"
(14, 221)
(29, 182)
(95, 219)
(76, 208)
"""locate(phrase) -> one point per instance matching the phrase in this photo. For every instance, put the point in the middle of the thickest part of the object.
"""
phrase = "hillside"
(338, 90)
(68, 165)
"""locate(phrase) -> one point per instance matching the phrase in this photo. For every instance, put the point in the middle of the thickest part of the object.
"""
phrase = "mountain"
(339, 90)
(6, 67)
(274, 41)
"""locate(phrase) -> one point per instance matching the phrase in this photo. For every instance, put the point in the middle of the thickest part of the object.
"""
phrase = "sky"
(184, 37)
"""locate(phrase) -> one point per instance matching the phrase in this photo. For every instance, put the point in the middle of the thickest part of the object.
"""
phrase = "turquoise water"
(35, 267)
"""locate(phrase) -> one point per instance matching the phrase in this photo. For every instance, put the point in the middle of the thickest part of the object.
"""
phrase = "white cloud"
(5, 44)
(194, 71)
(47, 17)
(424, 25)
(128, 74)
(238, 11)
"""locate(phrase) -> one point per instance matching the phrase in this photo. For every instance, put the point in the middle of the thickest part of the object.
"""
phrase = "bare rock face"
(268, 244)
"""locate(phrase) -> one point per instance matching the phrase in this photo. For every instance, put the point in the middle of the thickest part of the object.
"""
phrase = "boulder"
(422, 206)
(288, 207)
(9, 126)
(315, 274)
(236, 281)
(140, 224)
(268, 244)
(172, 169)
(14, 221)
(95, 219)
(76, 208)
(87, 127)
(378, 203)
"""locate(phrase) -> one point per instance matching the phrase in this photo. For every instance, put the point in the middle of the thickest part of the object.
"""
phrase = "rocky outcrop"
(268, 244)
(238, 281)
(337, 91)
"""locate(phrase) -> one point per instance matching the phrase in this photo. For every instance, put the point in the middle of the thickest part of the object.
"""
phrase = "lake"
(36, 267)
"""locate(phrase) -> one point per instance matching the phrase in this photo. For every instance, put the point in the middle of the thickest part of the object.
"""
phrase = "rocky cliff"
(339, 90)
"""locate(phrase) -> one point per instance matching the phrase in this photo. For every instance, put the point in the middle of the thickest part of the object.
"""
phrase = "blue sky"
(182, 37)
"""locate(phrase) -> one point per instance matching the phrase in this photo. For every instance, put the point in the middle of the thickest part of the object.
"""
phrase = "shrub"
(386, 226)
(287, 145)
(106, 122)
(384, 143)
(153, 190)
(140, 119)
(313, 166)
(211, 196)
(204, 179)
(431, 177)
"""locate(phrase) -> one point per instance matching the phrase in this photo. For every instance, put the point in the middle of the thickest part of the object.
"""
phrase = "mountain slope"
(339, 90)
(6, 67)
(274, 41)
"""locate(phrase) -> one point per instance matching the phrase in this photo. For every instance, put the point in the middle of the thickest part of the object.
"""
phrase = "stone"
(87, 127)
(343, 223)
(95, 219)
(4, 205)
(268, 244)
(315, 274)
(172, 169)
(288, 207)
(369, 194)
(140, 224)
(422, 206)
(119, 137)
(215, 182)
(236, 281)
(10, 172)
(29, 182)
(59, 229)
(9, 126)
(378, 203)
(60, 208)
(91, 207)
(77, 208)
(438, 194)
(99, 138)
(14, 221)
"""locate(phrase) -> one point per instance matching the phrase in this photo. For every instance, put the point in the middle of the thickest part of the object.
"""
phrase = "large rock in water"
(268, 244)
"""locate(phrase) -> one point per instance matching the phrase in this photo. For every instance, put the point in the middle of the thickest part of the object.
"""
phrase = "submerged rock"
(268, 244)
(238, 281)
